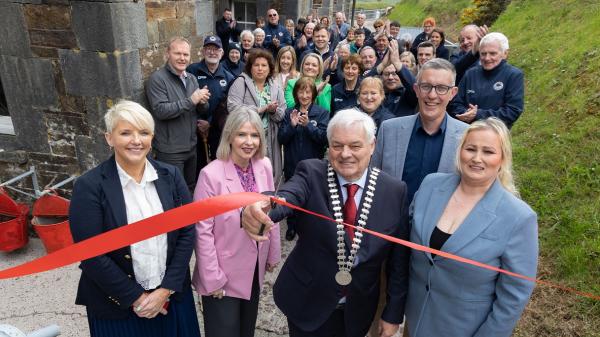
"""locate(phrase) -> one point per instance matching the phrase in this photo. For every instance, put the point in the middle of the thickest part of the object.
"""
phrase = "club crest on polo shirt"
(223, 83)
(498, 86)
(313, 122)
(280, 33)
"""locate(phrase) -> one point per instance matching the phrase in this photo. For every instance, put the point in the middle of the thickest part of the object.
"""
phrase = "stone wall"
(63, 63)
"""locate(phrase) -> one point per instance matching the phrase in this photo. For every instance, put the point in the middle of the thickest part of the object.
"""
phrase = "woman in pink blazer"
(230, 267)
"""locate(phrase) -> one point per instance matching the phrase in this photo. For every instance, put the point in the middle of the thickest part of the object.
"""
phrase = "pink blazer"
(225, 254)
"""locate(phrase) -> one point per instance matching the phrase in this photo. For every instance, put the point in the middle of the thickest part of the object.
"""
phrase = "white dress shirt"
(149, 257)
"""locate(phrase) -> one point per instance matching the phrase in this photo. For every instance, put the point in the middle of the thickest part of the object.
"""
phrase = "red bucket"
(51, 222)
(13, 223)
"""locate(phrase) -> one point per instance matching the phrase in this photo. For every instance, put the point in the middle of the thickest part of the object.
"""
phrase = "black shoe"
(290, 234)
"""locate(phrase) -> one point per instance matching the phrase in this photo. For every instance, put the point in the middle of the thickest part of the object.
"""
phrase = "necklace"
(343, 276)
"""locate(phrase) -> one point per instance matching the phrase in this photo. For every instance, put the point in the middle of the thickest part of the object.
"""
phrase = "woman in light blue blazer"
(476, 214)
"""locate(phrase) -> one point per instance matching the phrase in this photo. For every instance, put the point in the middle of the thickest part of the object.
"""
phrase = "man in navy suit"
(329, 285)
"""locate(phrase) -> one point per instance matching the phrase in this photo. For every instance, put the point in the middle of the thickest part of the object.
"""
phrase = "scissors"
(261, 231)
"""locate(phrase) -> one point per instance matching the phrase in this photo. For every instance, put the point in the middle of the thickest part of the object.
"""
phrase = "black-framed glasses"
(440, 89)
(272, 14)
(388, 74)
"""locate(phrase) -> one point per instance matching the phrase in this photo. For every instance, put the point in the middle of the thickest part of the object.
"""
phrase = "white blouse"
(141, 201)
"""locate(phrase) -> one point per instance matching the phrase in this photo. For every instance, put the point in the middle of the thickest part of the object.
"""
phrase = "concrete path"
(33, 302)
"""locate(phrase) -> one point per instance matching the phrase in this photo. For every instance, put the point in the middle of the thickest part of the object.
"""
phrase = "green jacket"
(323, 99)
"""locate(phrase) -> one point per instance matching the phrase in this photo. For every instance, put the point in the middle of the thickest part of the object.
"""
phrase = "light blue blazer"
(450, 298)
(393, 139)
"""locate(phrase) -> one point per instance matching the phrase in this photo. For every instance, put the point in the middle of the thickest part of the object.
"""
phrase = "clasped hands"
(150, 304)
(200, 96)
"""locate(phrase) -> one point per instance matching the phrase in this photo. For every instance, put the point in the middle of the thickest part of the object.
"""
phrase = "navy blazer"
(107, 285)
(450, 298)
(305, 290)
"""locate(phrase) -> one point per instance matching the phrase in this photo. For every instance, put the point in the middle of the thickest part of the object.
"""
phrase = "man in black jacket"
(176, 103)
(227, 29)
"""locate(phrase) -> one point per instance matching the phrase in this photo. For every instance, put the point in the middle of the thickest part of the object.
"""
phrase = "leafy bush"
(483, 12)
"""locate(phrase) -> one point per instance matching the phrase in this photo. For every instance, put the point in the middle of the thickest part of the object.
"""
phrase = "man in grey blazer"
(412, 147)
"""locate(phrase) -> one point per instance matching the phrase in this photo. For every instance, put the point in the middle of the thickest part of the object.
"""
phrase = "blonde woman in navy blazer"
(475, 214)
(143, 289)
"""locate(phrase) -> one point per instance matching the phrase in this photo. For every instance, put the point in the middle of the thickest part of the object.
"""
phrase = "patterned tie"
(350, 209)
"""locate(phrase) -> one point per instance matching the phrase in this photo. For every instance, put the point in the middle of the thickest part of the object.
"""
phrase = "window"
(6, 126)
(244, 12)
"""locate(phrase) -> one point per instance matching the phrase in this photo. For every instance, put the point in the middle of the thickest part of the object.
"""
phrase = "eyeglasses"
(272, 15)
(440, 89)
(211, 49)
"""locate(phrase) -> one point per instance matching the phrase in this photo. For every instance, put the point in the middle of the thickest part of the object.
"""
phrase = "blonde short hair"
(505, 174)
(374, 82)
(234, 122)
(319, 60)
(131, 112)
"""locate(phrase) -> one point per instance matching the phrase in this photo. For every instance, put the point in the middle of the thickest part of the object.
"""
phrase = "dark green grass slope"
(557, 140)
(556, 148)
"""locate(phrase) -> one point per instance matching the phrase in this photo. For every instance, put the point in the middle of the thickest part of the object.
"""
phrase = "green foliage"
(557, 157)
(483, 12)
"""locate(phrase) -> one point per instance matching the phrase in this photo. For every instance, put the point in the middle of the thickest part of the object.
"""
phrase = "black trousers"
(231, 316)
(185, 162)
(333, 327)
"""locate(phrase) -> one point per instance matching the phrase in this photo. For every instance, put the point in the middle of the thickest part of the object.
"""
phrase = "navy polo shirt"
(423, 155)
(217, 83)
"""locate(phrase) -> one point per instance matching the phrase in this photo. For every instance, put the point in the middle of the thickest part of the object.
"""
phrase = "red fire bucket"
(51, 222)
(13, 223)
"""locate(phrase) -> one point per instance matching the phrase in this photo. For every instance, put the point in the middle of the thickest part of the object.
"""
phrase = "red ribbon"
(138, 231)
(444, 254)
(200, 210)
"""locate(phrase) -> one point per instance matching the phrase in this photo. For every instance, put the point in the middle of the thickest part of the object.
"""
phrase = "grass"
(556, 147)
(373, 4)
(557, 157)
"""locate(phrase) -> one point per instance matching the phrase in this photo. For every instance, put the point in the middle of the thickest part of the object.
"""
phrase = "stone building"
(246, 11)
(64, 62)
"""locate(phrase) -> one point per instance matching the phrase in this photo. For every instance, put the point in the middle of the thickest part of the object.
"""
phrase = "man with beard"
(211, 74)
(329, 285)
(227, 28)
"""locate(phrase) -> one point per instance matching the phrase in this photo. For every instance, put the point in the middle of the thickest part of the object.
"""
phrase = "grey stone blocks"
(101, 26)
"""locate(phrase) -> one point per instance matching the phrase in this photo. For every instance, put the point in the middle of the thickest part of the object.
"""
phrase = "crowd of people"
(371, 128)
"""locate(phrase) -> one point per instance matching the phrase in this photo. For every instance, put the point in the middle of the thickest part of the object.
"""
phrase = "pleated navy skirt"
(181, 321)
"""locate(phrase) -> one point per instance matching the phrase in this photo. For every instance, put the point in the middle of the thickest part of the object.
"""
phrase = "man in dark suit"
(329, 285)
